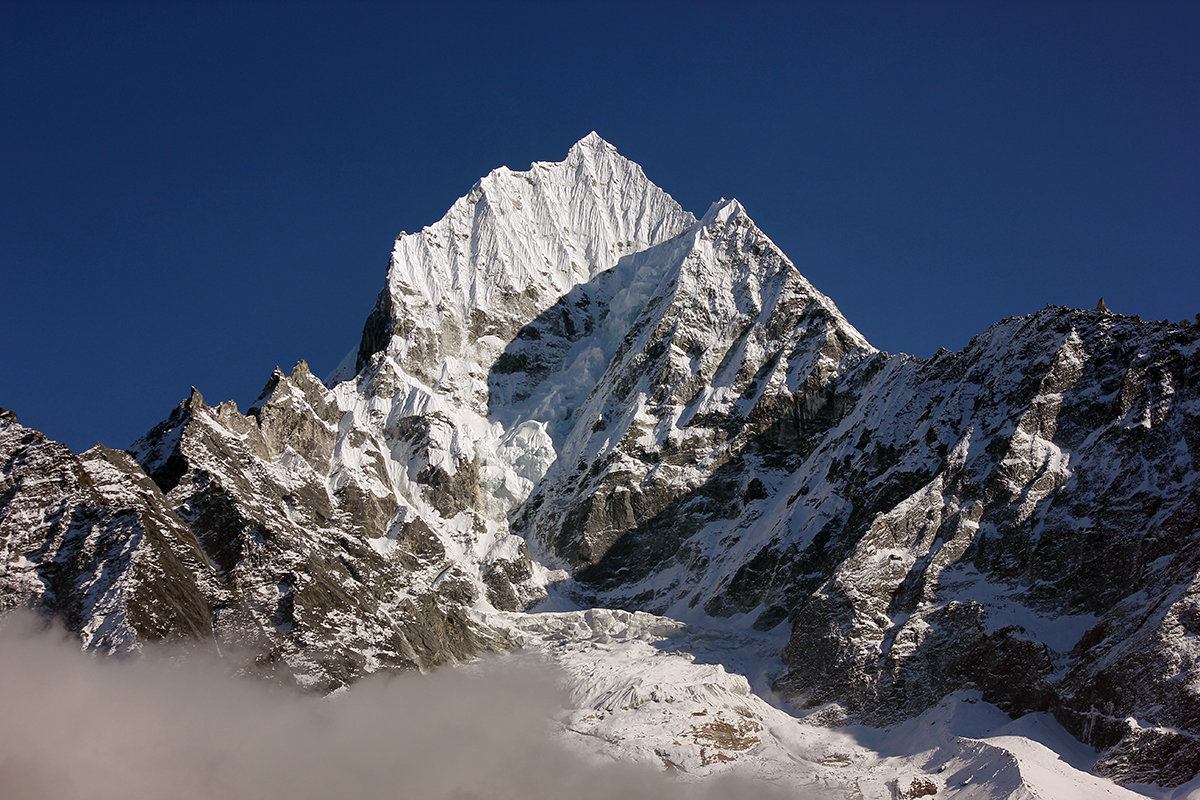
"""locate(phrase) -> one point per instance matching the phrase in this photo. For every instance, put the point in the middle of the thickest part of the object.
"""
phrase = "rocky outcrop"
(320, 595)
(92, 541)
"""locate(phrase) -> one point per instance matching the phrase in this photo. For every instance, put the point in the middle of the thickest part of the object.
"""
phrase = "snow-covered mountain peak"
(596, 203)
(592, 142)
(747, 256)
(570, 389)
(721, 211)
(518, 241)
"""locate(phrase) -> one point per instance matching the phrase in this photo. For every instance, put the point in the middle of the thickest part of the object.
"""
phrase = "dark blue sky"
(194, 193)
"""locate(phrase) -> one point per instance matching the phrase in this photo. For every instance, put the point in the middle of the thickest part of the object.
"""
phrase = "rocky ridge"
(91, 540)
(571, 382)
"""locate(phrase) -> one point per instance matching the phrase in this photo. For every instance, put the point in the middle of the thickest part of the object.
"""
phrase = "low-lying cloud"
(75, 726)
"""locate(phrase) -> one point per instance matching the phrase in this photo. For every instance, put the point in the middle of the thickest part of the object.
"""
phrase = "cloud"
(169, 725)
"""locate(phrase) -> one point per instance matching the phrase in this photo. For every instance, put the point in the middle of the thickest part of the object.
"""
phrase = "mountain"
(571, 391)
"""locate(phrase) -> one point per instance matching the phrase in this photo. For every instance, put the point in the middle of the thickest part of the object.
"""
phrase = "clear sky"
(192, 193)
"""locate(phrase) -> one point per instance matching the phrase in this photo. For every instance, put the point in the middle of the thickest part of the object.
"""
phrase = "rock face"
(570, 379)
(91, 540)
(328, 588)
(683, 356)
(1020, 516)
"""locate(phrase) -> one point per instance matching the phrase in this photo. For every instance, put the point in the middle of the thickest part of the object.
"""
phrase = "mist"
(179, 725)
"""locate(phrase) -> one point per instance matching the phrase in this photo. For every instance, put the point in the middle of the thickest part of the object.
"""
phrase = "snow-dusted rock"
(91, 540)
(330, 577)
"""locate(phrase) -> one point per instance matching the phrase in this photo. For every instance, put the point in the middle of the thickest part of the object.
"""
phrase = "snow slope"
(654, 690)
